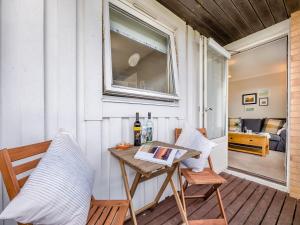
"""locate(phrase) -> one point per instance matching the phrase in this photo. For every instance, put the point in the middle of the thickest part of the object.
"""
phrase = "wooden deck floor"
(245, 202)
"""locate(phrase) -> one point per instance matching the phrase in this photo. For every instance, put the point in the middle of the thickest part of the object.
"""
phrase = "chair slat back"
(9, 171)
(202, 131)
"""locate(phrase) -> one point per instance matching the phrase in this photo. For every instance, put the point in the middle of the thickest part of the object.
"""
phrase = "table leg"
(180, 207)
(135, 183)
(164, 185)
(128, 194)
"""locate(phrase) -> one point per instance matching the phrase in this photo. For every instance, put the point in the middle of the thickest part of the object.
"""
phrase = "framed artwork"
(248, 99)
(249, 108)
(264, 101)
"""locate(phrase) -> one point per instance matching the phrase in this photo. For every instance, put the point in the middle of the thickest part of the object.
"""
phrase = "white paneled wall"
(51, 78)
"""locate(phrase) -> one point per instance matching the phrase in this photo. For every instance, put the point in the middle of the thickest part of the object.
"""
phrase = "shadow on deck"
(245, 202)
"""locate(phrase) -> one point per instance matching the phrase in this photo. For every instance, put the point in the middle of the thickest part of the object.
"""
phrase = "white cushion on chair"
(58, 191)
(193, 139)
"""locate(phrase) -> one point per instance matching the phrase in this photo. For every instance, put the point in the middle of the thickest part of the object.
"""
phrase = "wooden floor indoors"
(245, 202)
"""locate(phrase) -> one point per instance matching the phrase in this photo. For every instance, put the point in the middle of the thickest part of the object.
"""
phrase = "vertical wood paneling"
(60, 66)
(105, 160)
(22, 78)
(22, 74)
(93, 153)
(193, 76)
(1, 113)
(294, 111)
(51, 78)
(91, 61)
(67, 65)
(51, 68)
(115, 178)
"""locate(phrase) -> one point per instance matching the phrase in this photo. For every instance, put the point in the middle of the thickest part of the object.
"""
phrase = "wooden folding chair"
(206, 177)
(108, 212)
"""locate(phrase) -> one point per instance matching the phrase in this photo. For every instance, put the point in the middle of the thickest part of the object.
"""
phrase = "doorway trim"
(262, 37)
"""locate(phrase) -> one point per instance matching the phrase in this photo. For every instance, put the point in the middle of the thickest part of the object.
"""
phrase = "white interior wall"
(276, 84)
(51, 78)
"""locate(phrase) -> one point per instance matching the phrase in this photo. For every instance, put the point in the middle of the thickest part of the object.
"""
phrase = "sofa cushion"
(274, 137)
(272, 125)
(234, 124)
(253, 124)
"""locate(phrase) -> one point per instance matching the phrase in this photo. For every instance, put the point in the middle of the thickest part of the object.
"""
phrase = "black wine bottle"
(137, 129)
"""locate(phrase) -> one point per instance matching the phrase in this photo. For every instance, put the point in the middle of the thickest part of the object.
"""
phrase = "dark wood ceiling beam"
(277, 8)
(230, 20)
(292, 6)
(184, 14)
(192, 20)
(263, 11)
(249, 14)
(206, 18)
(229, 8)
(218, 15)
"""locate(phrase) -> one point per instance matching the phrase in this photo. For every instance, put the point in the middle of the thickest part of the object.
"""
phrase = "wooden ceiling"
(230, 20)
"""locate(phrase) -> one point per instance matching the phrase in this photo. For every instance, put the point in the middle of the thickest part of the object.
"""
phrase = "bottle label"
(149, 134)
(137, 128)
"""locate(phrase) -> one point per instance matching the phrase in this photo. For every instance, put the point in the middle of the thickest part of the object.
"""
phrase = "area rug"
(271, 166)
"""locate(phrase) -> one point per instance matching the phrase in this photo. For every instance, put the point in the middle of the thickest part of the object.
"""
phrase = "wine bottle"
(137, 130)
(144, 132)
(149, 125)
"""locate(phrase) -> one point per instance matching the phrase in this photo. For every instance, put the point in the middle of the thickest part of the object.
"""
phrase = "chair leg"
(185, 185)
(221, 205)
(182, 189)
(211, 191)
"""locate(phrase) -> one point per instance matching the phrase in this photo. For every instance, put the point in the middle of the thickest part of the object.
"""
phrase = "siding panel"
(22, 75)
(51, 78)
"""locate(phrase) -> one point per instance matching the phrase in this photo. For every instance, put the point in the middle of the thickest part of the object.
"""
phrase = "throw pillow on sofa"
(58, 191)
(272, 126)
(193, 139)
(235, 124)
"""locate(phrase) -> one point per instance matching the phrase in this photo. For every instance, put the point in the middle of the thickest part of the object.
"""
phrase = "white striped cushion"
(193, 139)
(58, 191)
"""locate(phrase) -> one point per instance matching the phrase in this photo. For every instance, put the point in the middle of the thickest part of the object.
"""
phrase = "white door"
(215, 99)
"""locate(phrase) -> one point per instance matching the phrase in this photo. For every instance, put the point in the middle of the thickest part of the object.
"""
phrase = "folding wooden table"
(147, 170)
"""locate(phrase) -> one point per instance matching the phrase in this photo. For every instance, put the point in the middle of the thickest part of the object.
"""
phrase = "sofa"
(274, 126)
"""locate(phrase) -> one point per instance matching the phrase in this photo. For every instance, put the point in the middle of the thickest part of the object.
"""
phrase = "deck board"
(245, 202)
(287, 212)
(297, 214)
(249, 206)
(261, 208)
(234, 208)
(193, 205)
(228, 199)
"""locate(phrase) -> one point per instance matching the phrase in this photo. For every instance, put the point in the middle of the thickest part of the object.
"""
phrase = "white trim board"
(271, 33)
(257, 180)
(260, 37)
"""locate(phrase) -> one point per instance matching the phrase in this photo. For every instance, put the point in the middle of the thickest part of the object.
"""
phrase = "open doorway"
(258, 110)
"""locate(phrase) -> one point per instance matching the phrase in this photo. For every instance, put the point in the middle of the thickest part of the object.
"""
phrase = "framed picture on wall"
(248, 99)
(264, 101)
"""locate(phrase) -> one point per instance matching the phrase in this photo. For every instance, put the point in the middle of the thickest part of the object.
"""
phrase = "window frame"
(108, 87)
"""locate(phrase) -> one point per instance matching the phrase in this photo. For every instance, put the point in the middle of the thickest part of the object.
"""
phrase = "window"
(139, 56)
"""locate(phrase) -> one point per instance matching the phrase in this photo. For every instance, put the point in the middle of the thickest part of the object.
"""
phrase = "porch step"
(207, 222)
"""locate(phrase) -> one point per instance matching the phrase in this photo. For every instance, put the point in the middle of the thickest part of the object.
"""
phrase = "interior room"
(258, 106)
